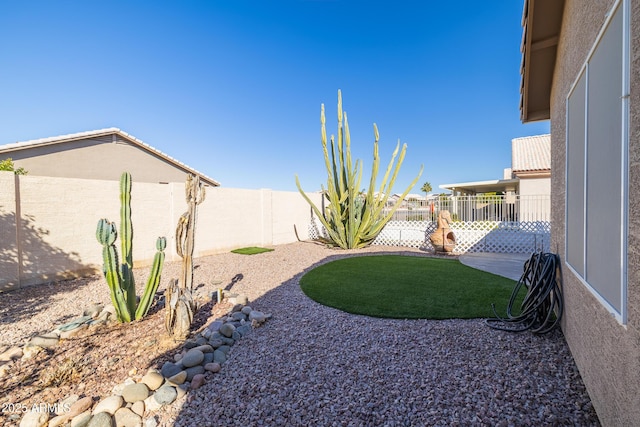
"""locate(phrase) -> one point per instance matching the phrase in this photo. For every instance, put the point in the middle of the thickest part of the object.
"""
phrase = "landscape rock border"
(133, 402)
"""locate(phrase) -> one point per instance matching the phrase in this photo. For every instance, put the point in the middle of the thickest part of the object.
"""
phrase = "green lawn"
(251, 250)
(408, 287)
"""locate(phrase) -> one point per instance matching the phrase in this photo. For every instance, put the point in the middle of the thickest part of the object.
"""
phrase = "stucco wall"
(606, 352)
(534, 186)
(55, 237)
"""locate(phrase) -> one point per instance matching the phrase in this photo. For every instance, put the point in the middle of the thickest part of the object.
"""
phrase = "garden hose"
(542, 307)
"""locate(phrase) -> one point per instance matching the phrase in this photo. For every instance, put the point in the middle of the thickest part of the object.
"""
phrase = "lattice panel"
(477, 236)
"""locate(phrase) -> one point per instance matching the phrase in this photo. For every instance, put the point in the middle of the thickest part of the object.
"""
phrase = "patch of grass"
(251, 250)
(408, 287)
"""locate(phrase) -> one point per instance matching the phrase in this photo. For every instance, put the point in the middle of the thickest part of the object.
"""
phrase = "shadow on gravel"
(314, 365)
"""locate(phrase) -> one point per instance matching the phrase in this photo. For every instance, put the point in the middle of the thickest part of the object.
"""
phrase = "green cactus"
(119, 275)
(185, 231)
(354, 220)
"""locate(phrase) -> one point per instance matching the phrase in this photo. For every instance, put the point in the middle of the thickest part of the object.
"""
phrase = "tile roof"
(531, 153)
(97, 133)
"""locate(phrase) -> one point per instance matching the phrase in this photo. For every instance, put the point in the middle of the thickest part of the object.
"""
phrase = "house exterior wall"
(606, 351)
(535, 186)
(48, 224)
(103, 158)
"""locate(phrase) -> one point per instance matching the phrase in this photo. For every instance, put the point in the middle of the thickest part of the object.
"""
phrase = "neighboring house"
(581, 70)
(100, 154)
(529, 175)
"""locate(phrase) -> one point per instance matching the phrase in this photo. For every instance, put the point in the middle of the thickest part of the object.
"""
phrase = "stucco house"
(529, 175)
(99, 154)
(581, 70)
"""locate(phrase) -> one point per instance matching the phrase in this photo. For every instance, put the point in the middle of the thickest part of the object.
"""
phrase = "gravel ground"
(313, 365)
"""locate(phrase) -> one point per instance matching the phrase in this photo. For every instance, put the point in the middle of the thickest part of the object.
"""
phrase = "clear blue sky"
(234, 88)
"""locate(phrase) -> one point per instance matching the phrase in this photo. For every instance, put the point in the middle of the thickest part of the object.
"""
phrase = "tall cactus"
(119, 275)
(185, 231)
(354, 220)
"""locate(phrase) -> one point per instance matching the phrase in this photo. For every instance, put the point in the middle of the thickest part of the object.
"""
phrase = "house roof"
(531, 154)
(8, 148)
(541, 22)
(474, 187)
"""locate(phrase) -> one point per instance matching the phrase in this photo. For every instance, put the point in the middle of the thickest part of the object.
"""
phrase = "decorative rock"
(215, 343)
(219, 357)
(206, 348)
(206, 333)
(195, 370)
(236, 335)
(117, 389)
(64, 406)
(208, 358)
(101, 419)
(246, 310)
(151, 404)
(76, 323)
(197, 381)
(11, 353)
(212, 367)
(138, 408)
(178, 378)
(109, 405)
(135, 392)
(228, 341)
(239, 316)
(258, 316)
(150, 422)
(65, 335)
(236, 307)
(214, 326)
(125, 417)
(178, 357)
(80, 406)
(153, 380)
(201, 341)
(190, 344)
(30, 351)
(170, 369)
(93, 310)
(49, 340)
(227, 330)
(244, 330)
(81, 420)
(165, 395)
(192, 358)
(182, 391)
(225, 349)
(34, 419)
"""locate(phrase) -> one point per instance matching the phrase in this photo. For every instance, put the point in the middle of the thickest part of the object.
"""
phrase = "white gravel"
(311, 365)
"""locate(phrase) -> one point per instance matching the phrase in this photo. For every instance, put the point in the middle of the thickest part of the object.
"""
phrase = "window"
(596, 169)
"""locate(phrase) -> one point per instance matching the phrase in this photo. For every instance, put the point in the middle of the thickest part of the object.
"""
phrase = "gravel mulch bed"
(314, 365)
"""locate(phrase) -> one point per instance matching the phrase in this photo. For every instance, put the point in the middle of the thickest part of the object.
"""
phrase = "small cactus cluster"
(119, 275)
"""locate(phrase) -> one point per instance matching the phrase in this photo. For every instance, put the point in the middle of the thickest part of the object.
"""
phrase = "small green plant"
(119, 275)
(7, 165)
(354, 219)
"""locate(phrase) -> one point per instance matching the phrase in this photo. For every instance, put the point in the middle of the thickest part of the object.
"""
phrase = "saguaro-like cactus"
(179, 294)
(185, 231)
(353, 219)
(119, 275)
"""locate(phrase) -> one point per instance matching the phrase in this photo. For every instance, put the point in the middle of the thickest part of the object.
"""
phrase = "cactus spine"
(119, 275)
(354, 220)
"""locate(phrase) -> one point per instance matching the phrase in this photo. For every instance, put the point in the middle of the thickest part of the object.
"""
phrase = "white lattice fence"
(471, 236)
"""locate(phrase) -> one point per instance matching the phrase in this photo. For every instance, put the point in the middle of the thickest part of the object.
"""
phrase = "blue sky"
(234, 88)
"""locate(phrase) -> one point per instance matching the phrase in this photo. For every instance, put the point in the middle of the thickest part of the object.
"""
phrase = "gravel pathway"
(311, 365)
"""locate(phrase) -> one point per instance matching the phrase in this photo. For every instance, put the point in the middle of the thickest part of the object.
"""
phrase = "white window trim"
(621, 316)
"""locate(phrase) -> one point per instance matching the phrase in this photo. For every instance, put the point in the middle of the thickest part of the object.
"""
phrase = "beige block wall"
(606, 352)
(59, 218)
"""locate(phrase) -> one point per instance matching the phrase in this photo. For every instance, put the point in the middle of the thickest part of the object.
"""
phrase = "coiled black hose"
(542, 307)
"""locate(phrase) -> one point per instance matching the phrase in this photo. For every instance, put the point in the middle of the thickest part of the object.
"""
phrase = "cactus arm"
(126, 242)
(153, 281)
(106, 235)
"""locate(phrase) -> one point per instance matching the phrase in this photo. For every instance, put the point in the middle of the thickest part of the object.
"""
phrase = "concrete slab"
(506, 265)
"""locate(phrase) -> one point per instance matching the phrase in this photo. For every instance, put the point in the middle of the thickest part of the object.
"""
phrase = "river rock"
(34, 419)
(219, 357)
(170, 369)
(208, 358)
(138, 408)
(194, 370)
(135, 392)
(206, 348)
(11, 353)
(125, 417)
(152, 379)
(49, 340)
(197, 381)
(212, 367)
(178, 378)
(165, 395)
(80, 406)
(215, 326)
(93, 310)
(227, 329)
(192, 358)
(109, 405)
(246, 310)
(101, 419)
(81, 420)
(70, 333)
